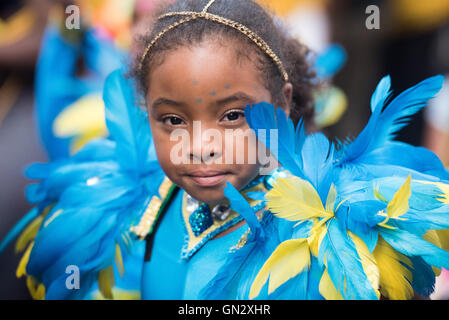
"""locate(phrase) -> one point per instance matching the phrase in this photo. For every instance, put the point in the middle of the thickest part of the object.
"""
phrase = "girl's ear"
(287, 92)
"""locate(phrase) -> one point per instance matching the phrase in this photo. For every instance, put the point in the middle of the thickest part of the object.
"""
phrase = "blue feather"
(98, 149)
(127, 123)
(360, 218)
(235, 277)
(256, 195)
(102, 210)
(240, 205)
(316, 165)
(410, 244)
(263, 116)
(330, 61)
(14, 232)
(343, 264)
(384, 124)
(423, 277)
(401, 154)
(418, 222)
(381, 95)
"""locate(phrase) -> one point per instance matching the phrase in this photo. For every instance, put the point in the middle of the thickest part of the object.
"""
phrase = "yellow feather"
(399, 204)
(331, 198)
(317, 234)
(84, 115)
(31, 230)
(106, 282)
(379, 196)
(432, 237)
(85, 137)
(295, 199)
(368, 262)
(119, 294)
(327, 288)
(336, 105)
(444, 196)
(83, 120)
(289, 259)
(119, 260)
(50, 219)
(393, 275)
(36, 289)
(28, 234)
(443, 236)
(21, 269)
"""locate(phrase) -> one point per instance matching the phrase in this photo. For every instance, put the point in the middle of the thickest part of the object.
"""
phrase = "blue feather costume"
(53, 97)
(359, 220)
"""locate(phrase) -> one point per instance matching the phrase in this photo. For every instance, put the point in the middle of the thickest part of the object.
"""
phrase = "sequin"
(201, 219)
(191, 204)
(221, 212)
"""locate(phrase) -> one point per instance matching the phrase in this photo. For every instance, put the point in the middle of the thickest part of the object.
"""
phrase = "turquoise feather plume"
(368, 175)
(264, 117)
(127, 123)
(240, 205)
(385, 122)
(98, 194)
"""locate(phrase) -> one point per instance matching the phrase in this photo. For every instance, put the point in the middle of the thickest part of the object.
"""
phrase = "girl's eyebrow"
(236, 97)
(164, 101)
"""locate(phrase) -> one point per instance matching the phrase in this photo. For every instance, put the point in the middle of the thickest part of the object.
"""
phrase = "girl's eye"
(233, 115)
(173, 121)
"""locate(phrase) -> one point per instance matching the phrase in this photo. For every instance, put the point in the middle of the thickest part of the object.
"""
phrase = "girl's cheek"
(162, 145)
(244, 149)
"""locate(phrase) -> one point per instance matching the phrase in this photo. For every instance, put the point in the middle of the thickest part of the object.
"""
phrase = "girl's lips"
(208, 179)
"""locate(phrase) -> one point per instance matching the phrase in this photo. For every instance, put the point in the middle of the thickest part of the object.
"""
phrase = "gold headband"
(191, 15)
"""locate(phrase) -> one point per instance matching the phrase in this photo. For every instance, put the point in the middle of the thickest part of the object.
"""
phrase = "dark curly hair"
(291, 52)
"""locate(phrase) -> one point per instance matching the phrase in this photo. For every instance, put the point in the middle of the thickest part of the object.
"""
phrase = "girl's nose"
(206, 144)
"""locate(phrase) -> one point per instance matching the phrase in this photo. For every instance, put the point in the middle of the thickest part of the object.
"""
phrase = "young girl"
(148, 216)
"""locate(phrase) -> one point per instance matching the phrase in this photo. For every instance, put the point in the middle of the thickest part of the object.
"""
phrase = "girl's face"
(196, 104)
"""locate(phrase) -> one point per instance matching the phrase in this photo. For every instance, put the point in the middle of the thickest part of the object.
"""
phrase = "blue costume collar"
(203, 222)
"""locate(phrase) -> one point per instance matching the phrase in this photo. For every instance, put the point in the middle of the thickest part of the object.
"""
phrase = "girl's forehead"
(207, 69)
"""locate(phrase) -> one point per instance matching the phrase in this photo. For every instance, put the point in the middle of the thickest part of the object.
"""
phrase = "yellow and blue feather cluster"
(363, 220)
(86, 204)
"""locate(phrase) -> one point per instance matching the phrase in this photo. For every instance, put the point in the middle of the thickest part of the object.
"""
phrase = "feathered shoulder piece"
(87, 204)
(360, 220)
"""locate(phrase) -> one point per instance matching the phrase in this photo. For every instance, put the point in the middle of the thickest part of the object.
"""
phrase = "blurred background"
(47, 66)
